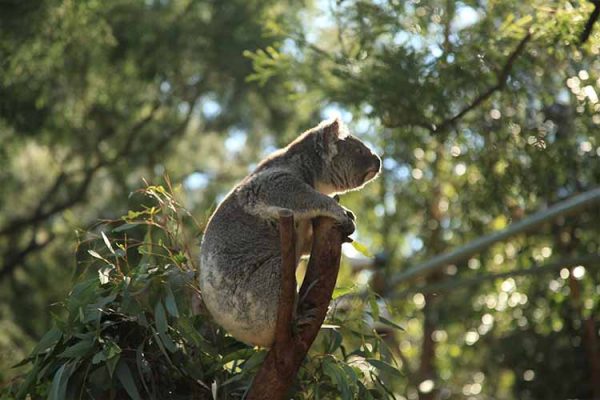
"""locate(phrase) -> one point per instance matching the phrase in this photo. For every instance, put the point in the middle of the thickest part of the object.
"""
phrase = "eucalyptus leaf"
(79, 349)
(335, 341)
(384, 367)
(160, 318)
(342, 291)
(255, 360)
(47, 341)
(58, 388)
(112, 349)
(98, 357)
(391, 323)
(362, 249)
(126, 378)
(107, 242)
(339, 377)
(126, 227)
(374, 306)
(111, 364)
(170, 303)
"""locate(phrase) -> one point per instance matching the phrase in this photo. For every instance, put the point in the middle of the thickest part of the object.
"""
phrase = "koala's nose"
(377, 163)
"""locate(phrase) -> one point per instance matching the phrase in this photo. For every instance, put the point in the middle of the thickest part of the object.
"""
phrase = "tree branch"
(179, 129)
(589, 25)
(501, 80)
(449, 11)
(12, 260)
(39, 214)
(281, 364)
(287, 290)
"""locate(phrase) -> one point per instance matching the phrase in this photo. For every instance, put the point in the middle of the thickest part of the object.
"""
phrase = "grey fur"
(240, 260)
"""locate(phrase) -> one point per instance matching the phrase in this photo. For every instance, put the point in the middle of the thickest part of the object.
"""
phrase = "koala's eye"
(360, 150)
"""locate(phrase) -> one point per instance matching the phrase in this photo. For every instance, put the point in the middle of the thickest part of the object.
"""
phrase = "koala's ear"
(326, 136)
(330, 132)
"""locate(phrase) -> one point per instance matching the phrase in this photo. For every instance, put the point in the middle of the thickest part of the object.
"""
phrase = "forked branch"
(282, 362)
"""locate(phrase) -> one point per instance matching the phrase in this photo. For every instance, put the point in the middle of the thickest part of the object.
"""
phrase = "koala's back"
(240, 266)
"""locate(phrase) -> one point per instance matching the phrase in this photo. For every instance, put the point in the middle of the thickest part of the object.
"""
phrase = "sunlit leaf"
(391, 323)
(95, 254)
(342, 291)
(361, 248)
(107, 242)
(384, 366)
(104, 275)
(374, 306)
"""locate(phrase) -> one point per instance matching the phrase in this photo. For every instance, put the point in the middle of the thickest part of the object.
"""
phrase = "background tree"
(485, 113)
(95, 96)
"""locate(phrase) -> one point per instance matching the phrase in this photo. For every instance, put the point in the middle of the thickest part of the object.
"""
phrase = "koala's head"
(348, 163)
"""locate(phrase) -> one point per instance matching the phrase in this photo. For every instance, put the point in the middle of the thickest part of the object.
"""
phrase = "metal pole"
(565, 207)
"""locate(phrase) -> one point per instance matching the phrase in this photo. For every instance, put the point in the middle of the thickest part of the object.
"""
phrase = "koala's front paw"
(347, 226)
(350, 214)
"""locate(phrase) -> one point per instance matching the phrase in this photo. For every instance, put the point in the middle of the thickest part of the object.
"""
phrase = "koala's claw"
(347, 227)
(350, 215)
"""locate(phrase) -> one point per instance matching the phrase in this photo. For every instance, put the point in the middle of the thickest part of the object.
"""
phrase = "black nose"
(378, 163)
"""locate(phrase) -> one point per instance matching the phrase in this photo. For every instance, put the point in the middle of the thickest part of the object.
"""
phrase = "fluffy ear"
(334, 129)
(331, 131)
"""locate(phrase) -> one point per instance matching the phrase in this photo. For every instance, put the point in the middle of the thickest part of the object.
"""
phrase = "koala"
(240, 253)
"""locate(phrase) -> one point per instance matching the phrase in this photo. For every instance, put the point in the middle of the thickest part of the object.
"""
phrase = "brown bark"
(588, 335)
(287, 290)
(593, 353)
(588, 328)
(282, 362)
(427, 365)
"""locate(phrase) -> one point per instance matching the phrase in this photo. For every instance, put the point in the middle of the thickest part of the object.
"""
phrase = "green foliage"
(94, 97)
(129, 326)
(482, 115)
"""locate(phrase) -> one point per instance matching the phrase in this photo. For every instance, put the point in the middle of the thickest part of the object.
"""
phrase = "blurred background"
(485, 113)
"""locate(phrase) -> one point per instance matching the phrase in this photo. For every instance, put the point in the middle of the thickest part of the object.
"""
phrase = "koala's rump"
(240, 268)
